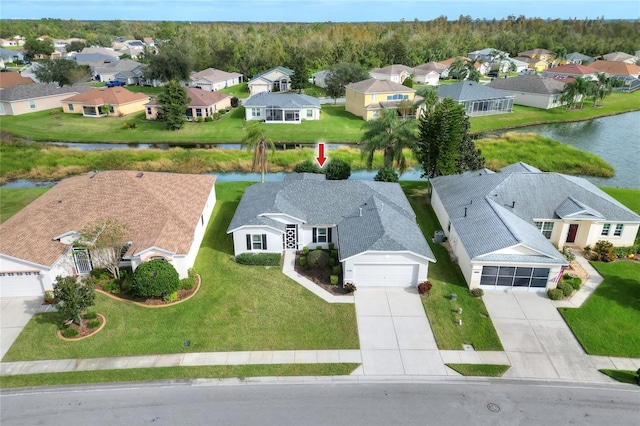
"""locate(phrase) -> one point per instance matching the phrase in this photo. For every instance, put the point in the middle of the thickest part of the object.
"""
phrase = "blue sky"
(314, 10)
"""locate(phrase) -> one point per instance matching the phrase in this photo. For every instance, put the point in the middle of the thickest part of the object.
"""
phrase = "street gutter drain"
(494, 408)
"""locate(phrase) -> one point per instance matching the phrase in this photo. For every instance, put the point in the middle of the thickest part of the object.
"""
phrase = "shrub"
(555, 294)
(424, 287)
(337, 169)
(208, 119)
(171, 297)
(334, 279)
(234, 102)
(408, 82)
(259, 259)
(90, 315)
(129, 124)
(71, 298)
(93, 324)
(587, 249)
(318, 258)
(127, 283)
(48, 296)
(334, 254)
(566, 288)
(305, 250)
(98, 272)
(155, 278)
(349, 287)
(386, 174)
(622, 252)
(336, 270)
(575, 282)
(603, 251)
(303, 261)
(331, 247)
(332, 262)
(318, 247)
(70, 333)
(476, 292)
(307, 166)
(111, 286)
(187, 283)
(568, 254)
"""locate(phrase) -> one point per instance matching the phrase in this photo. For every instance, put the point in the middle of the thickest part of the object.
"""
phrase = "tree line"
(249, 48)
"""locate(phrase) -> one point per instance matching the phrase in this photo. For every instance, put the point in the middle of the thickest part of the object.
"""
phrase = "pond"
(615, 138)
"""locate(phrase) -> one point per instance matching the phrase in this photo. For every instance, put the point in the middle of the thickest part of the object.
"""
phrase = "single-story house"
(531, 90)
(11, 55)
(621, 57)
(478, 99)
(318, 78)
(212, 79)
(540, 54)
(202, 104)
(429, 73)
(276, 79)
(119, 101)
(579, 58)
(482, 67)
(504, 227)
(281, 107)
(616, 69)
(572, 70)
(125, 71)
(371, 224)
(11, 78)
(397, 73)
(488, 54)
(368, 97)
(4, 42)
(166, 215)
(26, 98)
(533, 63)
(520, 66)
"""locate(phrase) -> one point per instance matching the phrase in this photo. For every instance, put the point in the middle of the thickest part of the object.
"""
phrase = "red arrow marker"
(321, 159)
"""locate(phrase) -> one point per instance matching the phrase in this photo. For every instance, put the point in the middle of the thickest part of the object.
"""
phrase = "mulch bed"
(320, 276)
(153, 301)
(84, 331)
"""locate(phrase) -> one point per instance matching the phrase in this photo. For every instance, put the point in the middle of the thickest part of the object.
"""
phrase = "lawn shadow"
(44, 318)
(623, 291)
(216, 237)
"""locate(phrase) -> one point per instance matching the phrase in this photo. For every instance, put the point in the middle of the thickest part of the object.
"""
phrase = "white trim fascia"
(32, 263)
(388, 252)
(254, 227)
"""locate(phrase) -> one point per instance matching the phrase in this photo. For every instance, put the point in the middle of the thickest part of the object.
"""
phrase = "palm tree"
(255, 139)
(429, 94)
(389, 135)
(458, 69)
(600, 88)
(582, 89)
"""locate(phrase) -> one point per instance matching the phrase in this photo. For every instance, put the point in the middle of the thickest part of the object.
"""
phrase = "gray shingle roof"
(471, 91)
(576, 56)
(528, 84)
(39, 90)
(387, 222)
(282, 100)
(496, 211)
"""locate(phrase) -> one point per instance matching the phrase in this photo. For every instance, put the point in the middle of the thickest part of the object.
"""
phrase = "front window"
(546, 228)
(256, 242)
(605, 229)
(322, 235)
(255, 112)
(309, 113)
(149, 111)
(198, 112)
(32, 104)
(373, 97)
(70, 106)
(618, 231)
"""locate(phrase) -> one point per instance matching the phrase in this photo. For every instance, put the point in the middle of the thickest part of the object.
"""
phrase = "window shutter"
(264, 241)
(248, 242)
(315, 235)
(328, 235)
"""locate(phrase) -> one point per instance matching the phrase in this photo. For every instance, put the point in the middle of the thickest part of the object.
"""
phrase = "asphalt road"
(482, 403)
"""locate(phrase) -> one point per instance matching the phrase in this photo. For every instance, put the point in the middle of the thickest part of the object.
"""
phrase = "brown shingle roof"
(10, 79)
(160, 209)
(373, 85)
(573, 69)
(616, 68)
(110, 95)
(201, 97)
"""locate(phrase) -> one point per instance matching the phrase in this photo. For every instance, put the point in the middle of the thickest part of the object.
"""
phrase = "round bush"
(307, 166)
(337, 169)
(566, 288)
(575, 282)
(386, 174)
(555, 294)
(156, 278)
(477, 292)
(317, 259)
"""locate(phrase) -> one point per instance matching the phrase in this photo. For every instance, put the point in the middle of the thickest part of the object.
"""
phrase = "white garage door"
(20, 285)
(369, 275)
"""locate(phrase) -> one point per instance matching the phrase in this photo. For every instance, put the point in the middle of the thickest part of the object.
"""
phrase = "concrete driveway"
(15, 313)
(537, 341)
(395, 335)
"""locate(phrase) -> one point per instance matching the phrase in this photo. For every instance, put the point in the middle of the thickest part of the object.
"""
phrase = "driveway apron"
(15, 313)
(395, 335)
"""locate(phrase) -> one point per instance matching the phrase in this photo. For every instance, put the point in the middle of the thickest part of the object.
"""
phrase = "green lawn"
(487, 370)
(609, 321)
(524, 116)
(173, 373)
(238, 308)
(12, 200)
(624, 376)
(240, 91)
(628, 196)
(477, 328)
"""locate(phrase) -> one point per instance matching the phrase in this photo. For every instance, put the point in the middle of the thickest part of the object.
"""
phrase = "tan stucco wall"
(77, 107)
(356, 102)
(41, 104)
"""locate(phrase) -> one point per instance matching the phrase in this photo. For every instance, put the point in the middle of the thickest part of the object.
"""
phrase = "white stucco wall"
(432, 79)
(536, 100)
(274, 240)
(199, 232)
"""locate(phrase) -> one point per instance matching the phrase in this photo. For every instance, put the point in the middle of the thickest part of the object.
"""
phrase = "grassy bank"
(238, 308)
(541, 152)
(176, 373)
(616, 103)
(13, 200)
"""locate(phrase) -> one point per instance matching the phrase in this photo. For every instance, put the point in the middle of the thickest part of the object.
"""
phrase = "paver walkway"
(395, 335)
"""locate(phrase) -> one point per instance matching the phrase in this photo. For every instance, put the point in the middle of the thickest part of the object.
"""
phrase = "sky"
(314, 10)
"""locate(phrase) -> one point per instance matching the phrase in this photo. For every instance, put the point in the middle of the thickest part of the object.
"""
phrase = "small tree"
(256, 139)
(65, 72)
(106, 238)
(172, 105)
(155, 278)
(386, 174)
(337, 169)
(71, 297)
(341, 74)
(408, 82)
(603, 251)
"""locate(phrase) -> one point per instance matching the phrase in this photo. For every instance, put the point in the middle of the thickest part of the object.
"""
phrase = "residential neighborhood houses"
(508, 233)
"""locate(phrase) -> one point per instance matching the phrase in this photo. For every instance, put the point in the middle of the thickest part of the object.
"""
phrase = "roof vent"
(360, 211)
(139, 175)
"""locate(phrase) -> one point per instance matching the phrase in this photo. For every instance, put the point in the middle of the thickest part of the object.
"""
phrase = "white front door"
(291, 238)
